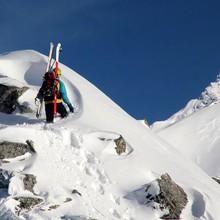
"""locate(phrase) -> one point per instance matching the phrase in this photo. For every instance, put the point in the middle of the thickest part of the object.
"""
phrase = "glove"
(71, 108)
(36, 101)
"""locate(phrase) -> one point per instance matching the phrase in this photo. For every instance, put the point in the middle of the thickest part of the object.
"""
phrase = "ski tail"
(58, 50)
(39, 105)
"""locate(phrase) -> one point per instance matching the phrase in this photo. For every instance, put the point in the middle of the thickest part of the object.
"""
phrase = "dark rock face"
(9, 97)
(171, 197)
(217, 180)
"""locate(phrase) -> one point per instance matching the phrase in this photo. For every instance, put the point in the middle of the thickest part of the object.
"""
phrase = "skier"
(50, 86)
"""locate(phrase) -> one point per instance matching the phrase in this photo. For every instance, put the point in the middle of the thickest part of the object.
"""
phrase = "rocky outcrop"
(26, 204)
(10, 179)
(9, 99)
(120, 145)
(29, 181)
(170, 198)
(5, 177)
(10, 150)
(13, 149)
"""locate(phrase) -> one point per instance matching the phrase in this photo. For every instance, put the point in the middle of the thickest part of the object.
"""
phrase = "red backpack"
(50, 84)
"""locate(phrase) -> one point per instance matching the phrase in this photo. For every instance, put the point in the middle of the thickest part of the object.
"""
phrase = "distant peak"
(209, 97)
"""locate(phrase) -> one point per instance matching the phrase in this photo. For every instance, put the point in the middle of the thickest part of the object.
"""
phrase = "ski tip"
(59, 48)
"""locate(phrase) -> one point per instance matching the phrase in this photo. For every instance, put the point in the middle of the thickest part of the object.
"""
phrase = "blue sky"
(149, 56)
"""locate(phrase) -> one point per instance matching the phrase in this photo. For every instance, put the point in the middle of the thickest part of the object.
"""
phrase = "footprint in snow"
(96, 173)
(98, 188)
(91, 158)
(114, 213)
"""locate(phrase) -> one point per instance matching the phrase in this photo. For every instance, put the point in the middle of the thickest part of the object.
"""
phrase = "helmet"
(58, 72)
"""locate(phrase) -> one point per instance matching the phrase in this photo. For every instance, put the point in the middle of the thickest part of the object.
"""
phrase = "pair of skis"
(48, 68)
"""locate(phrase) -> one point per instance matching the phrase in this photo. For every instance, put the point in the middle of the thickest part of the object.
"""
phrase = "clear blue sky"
(149, 56)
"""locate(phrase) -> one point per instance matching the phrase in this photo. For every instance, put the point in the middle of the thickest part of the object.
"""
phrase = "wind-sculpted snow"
(26, 67)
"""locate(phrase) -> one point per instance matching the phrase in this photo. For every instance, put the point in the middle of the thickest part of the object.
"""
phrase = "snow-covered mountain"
(210, 96)
(195, 130)
(78, 173)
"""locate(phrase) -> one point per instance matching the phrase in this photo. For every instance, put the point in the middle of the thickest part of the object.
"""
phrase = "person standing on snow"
(49, 87)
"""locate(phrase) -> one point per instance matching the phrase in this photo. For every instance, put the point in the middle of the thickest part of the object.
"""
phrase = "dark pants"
(50, 112)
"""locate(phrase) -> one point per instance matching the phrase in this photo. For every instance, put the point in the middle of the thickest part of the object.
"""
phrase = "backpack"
(50, 84)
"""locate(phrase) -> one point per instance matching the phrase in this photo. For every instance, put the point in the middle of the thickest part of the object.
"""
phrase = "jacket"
(61, 96)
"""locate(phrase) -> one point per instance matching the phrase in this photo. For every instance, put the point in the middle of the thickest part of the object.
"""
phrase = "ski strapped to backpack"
(58, 50)
(40, 102)
(50, 57)
(50, 87)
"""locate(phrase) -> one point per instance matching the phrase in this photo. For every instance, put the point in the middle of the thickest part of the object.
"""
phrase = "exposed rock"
(53, 207)
(30, 143)
(9, 99)
(146, 122)
(26, 204)
(29, 182)
(171, 197)
(5, 177)
(217, 180)
(118, 140)
(76, 192)
(68, 200)
(104, 139)
(13, 149)
(121, 145)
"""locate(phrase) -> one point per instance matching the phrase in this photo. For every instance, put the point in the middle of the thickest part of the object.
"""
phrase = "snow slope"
(78, 154)
(197, 134)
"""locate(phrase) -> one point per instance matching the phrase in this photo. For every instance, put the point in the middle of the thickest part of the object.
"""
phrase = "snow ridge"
(209, 97)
